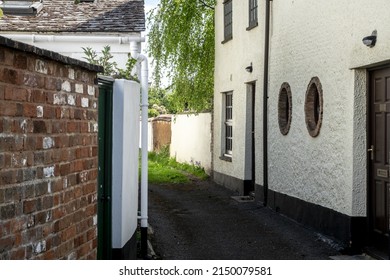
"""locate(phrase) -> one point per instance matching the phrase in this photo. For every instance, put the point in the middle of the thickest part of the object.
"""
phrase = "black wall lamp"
(370, 41)
(249, 68)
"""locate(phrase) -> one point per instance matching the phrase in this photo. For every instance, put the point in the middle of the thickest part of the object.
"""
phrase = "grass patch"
(164, 169)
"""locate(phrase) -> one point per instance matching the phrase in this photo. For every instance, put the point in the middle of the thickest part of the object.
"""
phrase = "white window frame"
(227, 125)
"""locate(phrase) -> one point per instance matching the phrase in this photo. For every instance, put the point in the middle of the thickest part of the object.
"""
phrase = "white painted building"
(67, 26)
(328, 105)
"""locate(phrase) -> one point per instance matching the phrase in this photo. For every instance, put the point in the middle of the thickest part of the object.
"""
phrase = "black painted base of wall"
(350, 231)
(229, 182)
(128, 252)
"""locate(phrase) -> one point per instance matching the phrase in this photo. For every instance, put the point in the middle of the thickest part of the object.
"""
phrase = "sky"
(149, 4)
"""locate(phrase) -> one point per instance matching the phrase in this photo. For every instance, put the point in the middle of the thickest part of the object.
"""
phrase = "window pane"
(228, 128)
(252, 12)
(228, 19)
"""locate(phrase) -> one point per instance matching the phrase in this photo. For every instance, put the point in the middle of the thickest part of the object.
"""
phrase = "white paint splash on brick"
(18, 160)
(59, 99)
(94, 105)
(84, 102)
(65, 183)
(79, 88)
(71, 100)
(95, 127)
(40, 247)
(14, 160)
(48, 171)
(91, 90)
(30, 221)
(72, 256)
(48, 216)
(48, 143)
(94, 220)
(83, 177)
(66, 86)
(39, 111)
(23, 126)
(71, 74)
(49, 187)
(41, 67)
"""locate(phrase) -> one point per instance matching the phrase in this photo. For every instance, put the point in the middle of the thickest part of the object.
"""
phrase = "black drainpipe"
(265, 100)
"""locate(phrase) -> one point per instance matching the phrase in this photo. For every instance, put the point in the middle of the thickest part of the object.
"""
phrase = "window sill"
(226, 158)
(250, 27)
(227, 40)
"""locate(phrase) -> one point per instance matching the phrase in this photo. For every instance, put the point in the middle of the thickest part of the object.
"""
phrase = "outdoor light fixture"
(249, 68)
(370, 41)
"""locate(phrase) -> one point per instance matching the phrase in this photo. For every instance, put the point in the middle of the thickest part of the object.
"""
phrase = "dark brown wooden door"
(379, 157)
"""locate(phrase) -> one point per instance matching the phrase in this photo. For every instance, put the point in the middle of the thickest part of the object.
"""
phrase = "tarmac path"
(200, 221)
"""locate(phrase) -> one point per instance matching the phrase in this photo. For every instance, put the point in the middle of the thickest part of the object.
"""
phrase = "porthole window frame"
(314, 107)
(284, 110)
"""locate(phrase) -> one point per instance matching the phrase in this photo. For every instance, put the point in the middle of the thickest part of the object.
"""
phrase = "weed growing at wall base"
(164, 169)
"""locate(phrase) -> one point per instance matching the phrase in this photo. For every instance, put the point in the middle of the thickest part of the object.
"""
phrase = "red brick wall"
(48, 158)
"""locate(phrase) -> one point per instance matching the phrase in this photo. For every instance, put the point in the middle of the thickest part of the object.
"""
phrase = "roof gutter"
(265, 100)
(82, 38)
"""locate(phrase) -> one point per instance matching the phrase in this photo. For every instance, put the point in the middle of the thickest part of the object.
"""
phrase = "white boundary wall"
(191, 139)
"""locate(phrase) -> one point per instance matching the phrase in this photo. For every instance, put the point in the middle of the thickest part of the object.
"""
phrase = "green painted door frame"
(104, 250)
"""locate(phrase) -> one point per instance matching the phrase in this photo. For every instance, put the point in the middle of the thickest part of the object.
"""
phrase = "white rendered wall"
(125, 161)
(231, 59)
(324, 39)
(191, 139)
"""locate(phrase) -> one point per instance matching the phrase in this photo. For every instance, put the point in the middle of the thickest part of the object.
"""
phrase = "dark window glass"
(252, 13)
(228, 20)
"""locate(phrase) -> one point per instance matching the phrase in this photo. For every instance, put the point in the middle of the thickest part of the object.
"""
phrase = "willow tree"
(181, 42)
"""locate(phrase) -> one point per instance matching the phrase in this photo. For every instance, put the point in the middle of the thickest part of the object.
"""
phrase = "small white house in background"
(67, 26)
(316, 148)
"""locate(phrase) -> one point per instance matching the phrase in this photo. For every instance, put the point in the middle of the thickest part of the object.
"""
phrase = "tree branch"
(206, 5)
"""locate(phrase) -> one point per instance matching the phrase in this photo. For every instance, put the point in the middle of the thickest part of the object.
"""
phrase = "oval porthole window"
(314, 107)
(284, 108)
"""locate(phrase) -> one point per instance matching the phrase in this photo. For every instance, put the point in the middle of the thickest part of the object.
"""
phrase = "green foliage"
(127, 72)
(159, 102)
(181, 41)
(164, 169)
(1, 13)
(110, 68)
(104, 60)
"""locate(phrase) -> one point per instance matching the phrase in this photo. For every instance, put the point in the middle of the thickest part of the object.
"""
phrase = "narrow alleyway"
(200, 220)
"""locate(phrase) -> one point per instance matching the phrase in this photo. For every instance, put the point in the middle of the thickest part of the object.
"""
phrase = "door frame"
(370, 172)
(104, 249)
(250, 180)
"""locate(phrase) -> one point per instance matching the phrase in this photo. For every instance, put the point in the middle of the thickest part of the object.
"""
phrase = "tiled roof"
(66, 16)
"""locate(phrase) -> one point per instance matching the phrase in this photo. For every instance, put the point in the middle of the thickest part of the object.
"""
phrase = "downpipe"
(265, 99)
(143, 73)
